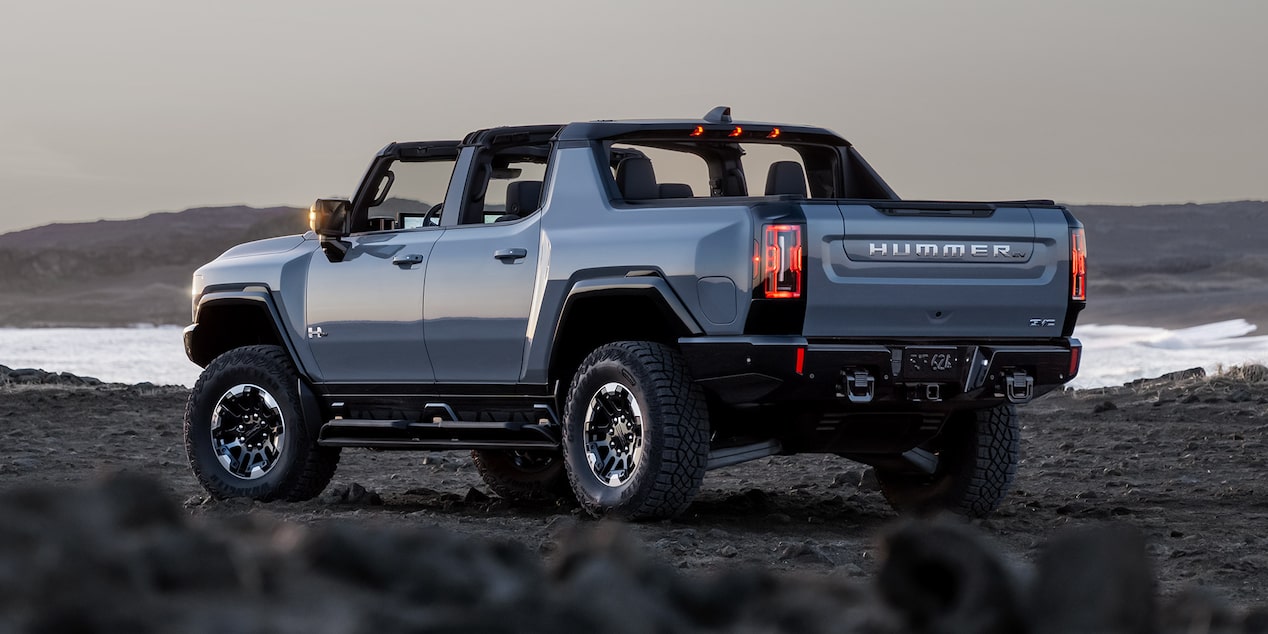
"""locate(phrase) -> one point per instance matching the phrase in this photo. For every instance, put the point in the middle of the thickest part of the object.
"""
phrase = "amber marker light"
(736, 132)
(699, 131)
(773, 134)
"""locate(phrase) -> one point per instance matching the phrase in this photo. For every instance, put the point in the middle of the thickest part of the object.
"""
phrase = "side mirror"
(328, 218)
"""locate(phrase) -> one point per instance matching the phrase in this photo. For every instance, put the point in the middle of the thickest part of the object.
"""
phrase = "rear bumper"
(770, 369)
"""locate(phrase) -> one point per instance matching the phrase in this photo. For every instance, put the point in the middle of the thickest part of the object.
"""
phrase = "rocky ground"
(1140, 508)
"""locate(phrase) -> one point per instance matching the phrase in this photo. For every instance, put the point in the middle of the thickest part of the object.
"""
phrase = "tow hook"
(1019, 387)
(860, 386)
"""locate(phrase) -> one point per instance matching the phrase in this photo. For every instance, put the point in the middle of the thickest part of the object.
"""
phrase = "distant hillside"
(1164, 265)
(1177, 265)
(121, 272)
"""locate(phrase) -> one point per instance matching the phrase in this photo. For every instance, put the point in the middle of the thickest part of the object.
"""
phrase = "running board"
(442, 434)
(442, 445)
(728, 456)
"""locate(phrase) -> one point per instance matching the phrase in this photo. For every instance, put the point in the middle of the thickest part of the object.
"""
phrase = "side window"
(506, 187)
(516, 179)
(677, 174)
(787, 177)
(413, 189)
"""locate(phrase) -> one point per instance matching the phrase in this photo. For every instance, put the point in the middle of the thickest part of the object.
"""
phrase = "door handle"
(507, 255)
(409, 259)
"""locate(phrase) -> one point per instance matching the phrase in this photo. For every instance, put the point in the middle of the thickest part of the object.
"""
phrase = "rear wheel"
(977, 455)
(245, 434)
(523, 476)
(636, 432)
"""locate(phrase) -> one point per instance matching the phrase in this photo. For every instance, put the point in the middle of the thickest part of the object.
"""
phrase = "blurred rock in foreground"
(121, 556)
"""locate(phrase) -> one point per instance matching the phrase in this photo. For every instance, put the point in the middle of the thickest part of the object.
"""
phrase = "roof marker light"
(699, 131)
(774, 134)
(736, 132)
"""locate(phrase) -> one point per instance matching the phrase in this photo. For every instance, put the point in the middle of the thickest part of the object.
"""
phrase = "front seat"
(786, 177)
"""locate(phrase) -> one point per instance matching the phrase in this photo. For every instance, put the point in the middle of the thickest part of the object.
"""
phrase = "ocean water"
(115, 355)
(1112, 355)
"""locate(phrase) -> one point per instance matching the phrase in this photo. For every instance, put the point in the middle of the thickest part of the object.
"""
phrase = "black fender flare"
(651, 286)
(645, 284)
(254, 296)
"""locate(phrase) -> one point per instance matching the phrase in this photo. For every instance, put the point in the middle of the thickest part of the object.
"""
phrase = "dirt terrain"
(1178, 461)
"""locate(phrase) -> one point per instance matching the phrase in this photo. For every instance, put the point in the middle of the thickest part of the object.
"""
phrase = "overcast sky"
(117, 109)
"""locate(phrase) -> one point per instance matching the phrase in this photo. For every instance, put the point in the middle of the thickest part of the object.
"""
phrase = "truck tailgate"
(932, 270)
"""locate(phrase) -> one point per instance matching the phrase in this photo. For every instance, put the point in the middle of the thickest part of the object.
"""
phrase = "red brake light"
(782, 255)
(1078, 265)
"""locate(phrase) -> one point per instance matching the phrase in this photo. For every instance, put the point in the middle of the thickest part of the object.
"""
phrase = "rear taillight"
(1078, 265)
(781, 256)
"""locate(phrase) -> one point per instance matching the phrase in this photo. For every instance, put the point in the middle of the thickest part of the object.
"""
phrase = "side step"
(407, 434)
(728, 456)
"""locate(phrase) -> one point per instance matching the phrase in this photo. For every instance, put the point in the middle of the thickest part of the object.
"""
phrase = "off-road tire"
(301, 470)
(674, 431)
(523, 476)
(978, 453)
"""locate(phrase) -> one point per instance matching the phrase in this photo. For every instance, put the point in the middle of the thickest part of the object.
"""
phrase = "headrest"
(523, 197)
(786, 177)
(676, 190)
(636, 179)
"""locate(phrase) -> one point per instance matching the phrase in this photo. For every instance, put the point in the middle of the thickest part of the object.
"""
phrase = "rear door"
(937, 270)
(480, 281)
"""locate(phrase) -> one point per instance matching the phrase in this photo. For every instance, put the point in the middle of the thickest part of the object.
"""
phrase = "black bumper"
(745, 370)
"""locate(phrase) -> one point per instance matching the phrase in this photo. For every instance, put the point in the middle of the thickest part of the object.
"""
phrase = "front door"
(365, 313)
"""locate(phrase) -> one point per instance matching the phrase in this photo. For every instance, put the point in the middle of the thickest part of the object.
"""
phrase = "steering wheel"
(432, 217)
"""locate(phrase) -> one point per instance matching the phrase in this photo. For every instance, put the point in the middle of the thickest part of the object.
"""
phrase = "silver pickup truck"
(609, 309)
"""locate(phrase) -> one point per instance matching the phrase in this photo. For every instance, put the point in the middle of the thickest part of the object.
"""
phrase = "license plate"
(931, 364)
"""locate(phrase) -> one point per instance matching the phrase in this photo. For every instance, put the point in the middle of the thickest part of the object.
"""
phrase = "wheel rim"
(247, 430)
(531, 461)
(614, 434)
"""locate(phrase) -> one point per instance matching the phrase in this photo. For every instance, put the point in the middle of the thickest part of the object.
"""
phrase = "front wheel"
(636, 432)
(245, 433)
(977, 455)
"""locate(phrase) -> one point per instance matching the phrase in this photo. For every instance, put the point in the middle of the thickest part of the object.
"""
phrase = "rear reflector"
(1078, 265)
(801, 360)
(782, 255)
(1076, 357)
